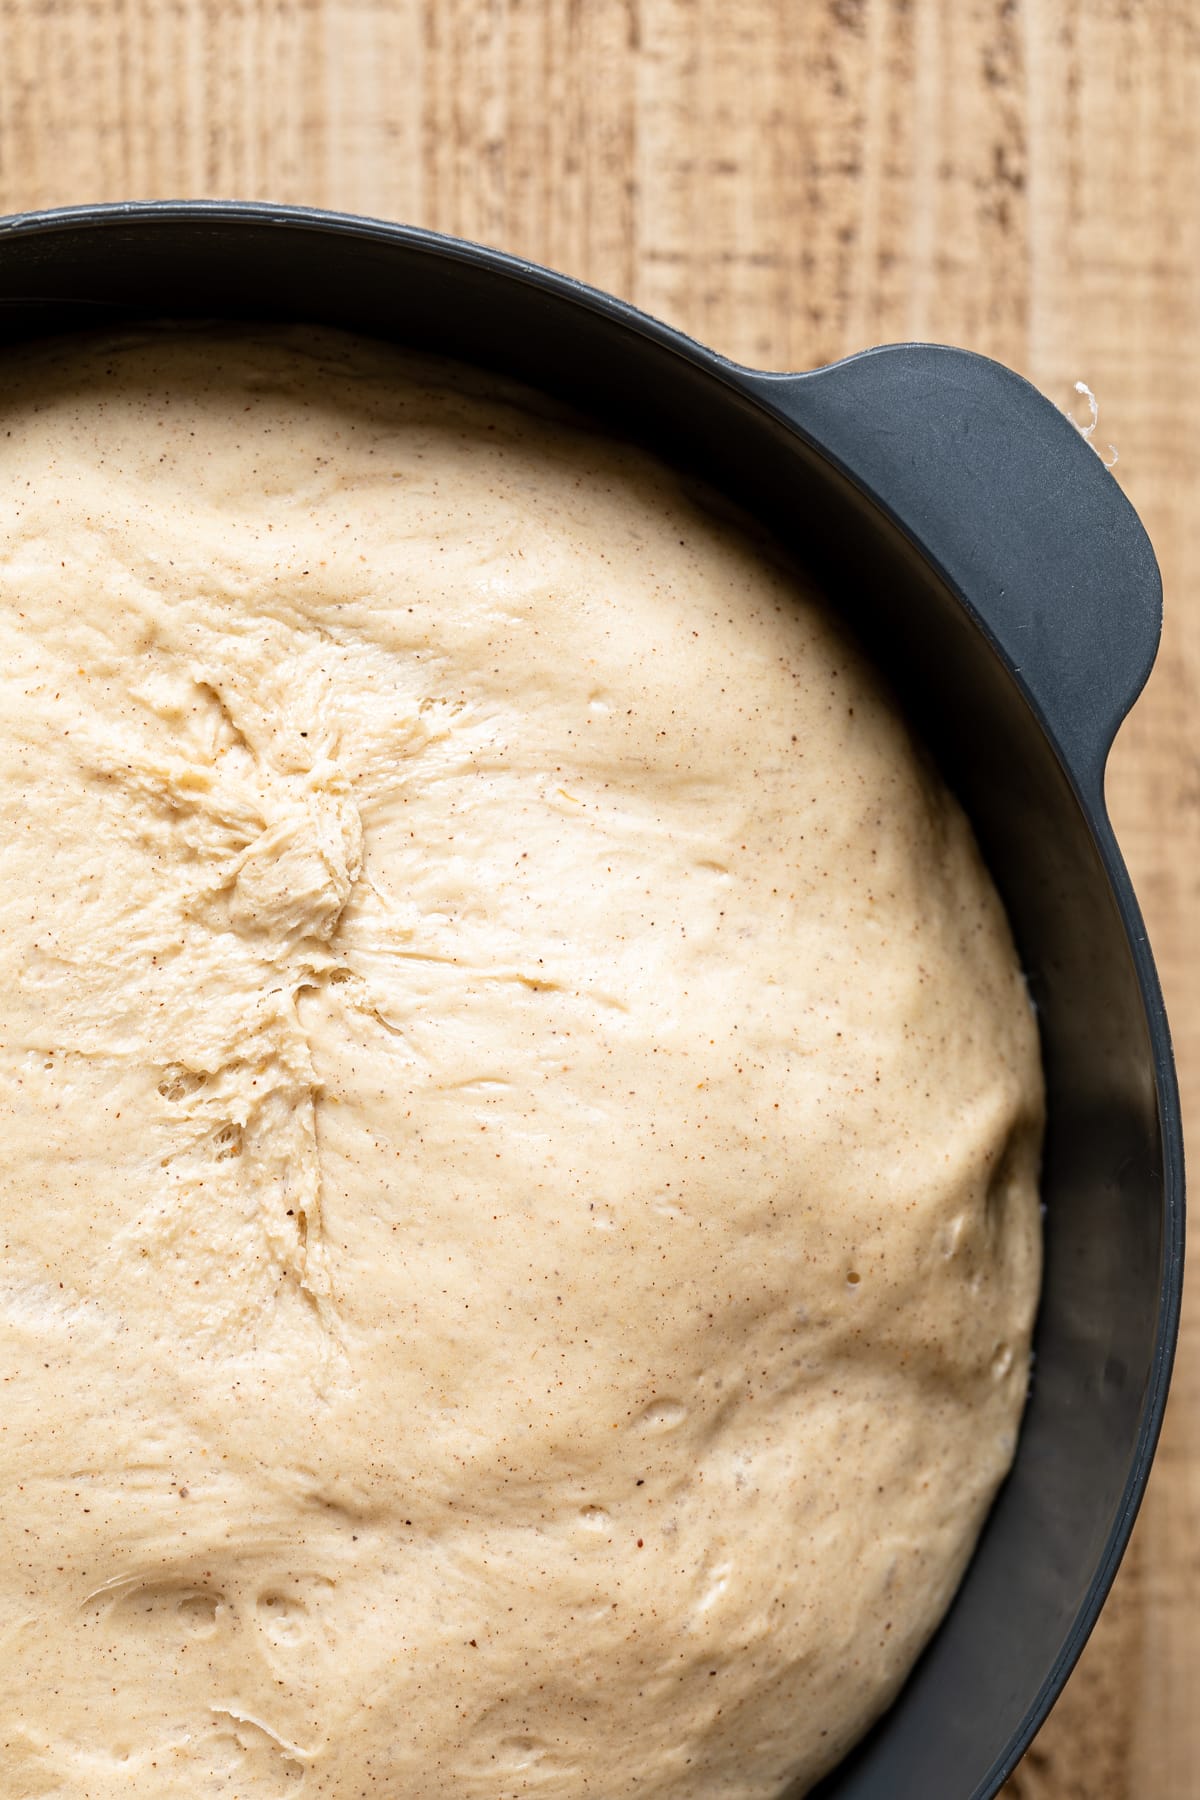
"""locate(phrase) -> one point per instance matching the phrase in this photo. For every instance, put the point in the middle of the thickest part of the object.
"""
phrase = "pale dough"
(520, 1110)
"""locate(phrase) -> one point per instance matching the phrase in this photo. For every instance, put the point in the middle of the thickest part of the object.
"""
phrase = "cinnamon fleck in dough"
(520, 1110)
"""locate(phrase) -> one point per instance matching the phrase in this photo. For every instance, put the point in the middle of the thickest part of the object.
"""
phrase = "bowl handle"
(999, 490)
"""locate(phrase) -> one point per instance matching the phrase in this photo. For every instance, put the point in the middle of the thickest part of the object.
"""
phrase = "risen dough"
(520, 1110)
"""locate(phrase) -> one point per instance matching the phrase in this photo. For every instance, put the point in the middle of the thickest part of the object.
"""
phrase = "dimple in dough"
(520, 1110)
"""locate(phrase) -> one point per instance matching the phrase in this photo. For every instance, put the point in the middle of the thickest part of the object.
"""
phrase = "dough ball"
(521, 1109)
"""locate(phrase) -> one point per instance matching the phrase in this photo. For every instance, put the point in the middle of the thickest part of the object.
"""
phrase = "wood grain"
(789, 182)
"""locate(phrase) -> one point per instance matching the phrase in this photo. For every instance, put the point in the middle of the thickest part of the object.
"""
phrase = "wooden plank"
(789, 181)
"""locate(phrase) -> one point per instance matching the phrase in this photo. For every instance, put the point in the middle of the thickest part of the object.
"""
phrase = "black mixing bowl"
(993, 568)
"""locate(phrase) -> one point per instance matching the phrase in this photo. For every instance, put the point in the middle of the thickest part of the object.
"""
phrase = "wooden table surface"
(788, 180)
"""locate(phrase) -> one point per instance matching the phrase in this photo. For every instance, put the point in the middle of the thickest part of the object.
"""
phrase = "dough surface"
(520, 1110)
